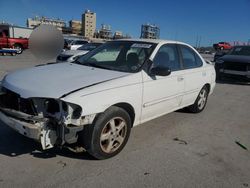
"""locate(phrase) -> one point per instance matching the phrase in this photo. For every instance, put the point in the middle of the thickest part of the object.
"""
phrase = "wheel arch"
(19, 44)
(128, 108)
(208, 86)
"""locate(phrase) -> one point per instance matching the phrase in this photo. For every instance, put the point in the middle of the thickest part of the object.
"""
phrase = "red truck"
(14, 37)
(222, 46)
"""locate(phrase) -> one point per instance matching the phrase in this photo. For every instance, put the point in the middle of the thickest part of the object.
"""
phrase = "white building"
(34, 22)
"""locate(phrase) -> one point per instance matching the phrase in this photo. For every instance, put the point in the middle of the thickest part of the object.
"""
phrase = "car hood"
(56, 80)
(236, 58)
(74, 52)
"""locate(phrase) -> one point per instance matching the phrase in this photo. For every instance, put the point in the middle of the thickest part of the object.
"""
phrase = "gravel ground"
(204, 155)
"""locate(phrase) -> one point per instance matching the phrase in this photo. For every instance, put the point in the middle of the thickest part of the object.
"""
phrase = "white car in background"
(95, 101)
(72, 55)
(76, 44)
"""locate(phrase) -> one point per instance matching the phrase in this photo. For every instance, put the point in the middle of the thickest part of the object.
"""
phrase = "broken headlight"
(51, 106)
(73, 110)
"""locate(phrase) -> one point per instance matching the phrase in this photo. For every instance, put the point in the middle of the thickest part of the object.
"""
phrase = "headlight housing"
(74, 111)
(219, 61)
(57, 108)
(76, 57)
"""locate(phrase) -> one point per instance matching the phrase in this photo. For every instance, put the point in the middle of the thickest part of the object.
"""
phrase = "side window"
(199, 62)
(190, 59)
(167, 56)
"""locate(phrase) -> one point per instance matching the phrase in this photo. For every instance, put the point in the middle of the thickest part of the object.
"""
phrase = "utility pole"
(196, 43)
(199, 42)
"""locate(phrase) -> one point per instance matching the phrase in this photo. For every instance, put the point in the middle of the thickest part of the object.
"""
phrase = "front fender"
(98, 98)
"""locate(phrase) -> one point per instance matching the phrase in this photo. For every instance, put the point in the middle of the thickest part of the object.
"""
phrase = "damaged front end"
(52, 122)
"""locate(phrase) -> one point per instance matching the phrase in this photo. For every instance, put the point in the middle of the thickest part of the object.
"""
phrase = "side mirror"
(160, 71)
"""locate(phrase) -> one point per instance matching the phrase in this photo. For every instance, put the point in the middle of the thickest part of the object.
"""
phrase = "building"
(149, 31)
(34, 22)
(66, 30)
(104, 33)
(76, 27)
(118, 35)
(88, 24)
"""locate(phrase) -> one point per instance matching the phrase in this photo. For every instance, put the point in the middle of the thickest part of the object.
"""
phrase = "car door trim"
(151, 103)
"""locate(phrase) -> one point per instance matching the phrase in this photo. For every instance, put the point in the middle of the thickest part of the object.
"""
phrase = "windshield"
(89, 47)
(240, 50)
(125, 56)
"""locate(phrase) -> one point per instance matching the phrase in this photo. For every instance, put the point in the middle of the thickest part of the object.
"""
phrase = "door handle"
(180, 79)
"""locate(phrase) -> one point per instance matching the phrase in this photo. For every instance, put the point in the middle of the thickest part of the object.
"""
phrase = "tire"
(19, 48)
(109, 133)
(218, 75)
(200, 102)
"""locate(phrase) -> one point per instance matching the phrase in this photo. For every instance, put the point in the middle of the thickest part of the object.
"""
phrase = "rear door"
(163, 94)
(194, 74)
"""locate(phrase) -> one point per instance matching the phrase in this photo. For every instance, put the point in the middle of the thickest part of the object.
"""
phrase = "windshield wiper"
(92, 65)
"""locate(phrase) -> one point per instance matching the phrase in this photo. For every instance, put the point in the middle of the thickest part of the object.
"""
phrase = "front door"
(163, 94)
(3, 40)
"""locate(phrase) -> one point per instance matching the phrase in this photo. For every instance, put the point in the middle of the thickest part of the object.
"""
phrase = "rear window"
(241, 50)
(190, 58)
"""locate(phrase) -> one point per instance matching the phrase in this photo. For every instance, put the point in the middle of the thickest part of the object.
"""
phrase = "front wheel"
(109, 133)
(19, 48)
(200, 102)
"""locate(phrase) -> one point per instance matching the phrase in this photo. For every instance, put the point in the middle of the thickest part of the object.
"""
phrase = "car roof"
(156, 41)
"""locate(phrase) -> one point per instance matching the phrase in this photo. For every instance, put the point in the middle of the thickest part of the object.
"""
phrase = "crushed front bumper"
(27, 129)
(30, 126)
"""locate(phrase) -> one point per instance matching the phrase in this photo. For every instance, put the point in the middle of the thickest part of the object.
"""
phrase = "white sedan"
(94, 102)
(72, 55)
(77, 44)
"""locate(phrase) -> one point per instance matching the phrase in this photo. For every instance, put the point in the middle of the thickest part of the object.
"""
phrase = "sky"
(183, 20)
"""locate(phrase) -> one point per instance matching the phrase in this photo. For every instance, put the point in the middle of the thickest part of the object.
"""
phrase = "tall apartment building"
(88, 24)
(76, 27)
(36, 21)
(149, 31)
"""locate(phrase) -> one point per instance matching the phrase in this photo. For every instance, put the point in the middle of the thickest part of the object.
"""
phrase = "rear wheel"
(19, 48)
(200, 102)
(109, 133)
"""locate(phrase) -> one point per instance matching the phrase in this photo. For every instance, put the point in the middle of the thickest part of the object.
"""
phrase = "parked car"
(72, 55)
(66, 45)
(222, 46)
(95, 101)
(14, 37)
(235, 63)
(76, 44)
